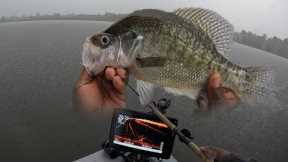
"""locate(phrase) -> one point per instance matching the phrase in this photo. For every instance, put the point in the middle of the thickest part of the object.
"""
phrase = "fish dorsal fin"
(217, 27)
(145, 91)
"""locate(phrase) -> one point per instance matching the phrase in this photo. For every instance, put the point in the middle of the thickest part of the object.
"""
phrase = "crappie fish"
(174, 50)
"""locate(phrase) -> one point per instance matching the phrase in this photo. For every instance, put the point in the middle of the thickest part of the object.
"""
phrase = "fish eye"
(105, 40)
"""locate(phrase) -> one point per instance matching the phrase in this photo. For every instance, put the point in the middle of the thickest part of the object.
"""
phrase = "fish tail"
(260, 81)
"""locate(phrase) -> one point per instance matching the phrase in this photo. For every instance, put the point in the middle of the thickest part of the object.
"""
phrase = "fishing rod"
(188, 142)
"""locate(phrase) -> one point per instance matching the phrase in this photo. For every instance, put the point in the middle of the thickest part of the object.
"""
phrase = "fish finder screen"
(140, 133)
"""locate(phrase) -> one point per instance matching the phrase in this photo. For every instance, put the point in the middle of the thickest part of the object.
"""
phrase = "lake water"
(40, 62)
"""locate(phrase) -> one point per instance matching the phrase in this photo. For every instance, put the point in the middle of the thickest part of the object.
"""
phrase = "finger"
(203, 106)
(229, 95)
(230, 99)
(118, 83)
(208, 152)
(122, 73)
(110, 73)
(215, 80)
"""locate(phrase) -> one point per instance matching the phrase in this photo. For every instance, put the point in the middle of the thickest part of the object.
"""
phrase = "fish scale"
(180, 49)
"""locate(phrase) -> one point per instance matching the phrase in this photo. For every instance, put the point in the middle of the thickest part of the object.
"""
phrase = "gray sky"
(259, 16)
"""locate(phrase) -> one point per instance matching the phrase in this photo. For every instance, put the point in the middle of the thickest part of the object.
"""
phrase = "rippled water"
(39, 63)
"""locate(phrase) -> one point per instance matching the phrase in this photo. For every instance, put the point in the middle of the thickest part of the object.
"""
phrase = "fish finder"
(141, 133)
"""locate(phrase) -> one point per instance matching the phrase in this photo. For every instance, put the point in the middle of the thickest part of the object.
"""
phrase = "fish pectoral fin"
(218, 28)
(190, 93)
(145, 91)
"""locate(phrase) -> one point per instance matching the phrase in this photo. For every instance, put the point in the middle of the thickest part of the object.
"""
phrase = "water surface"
(40, 62)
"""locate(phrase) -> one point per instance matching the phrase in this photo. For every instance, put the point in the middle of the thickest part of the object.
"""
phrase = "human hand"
(106, 90)
(217, 95)
(214, 153)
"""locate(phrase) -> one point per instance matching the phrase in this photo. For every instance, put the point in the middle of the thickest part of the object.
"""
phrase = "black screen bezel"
(167, 147)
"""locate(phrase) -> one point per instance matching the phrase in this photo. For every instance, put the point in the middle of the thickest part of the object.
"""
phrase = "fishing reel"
(163, 104)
